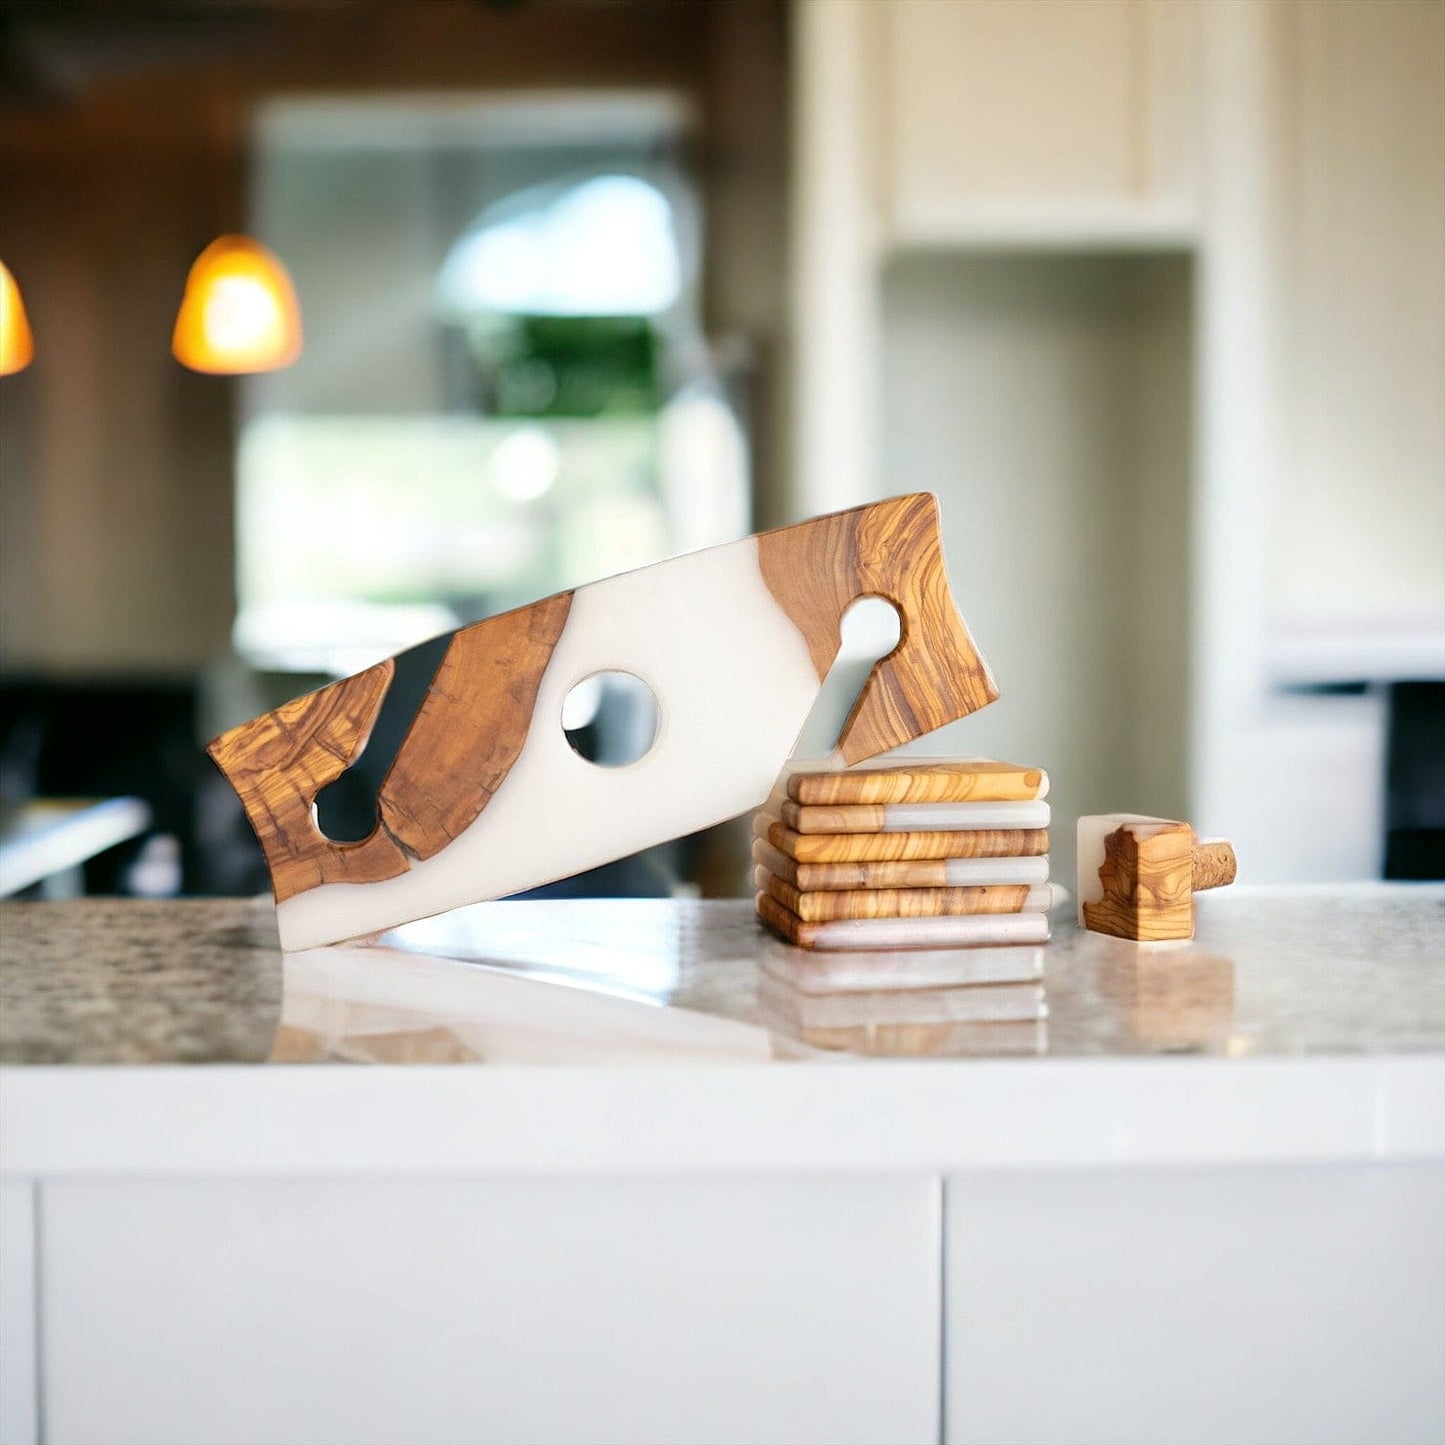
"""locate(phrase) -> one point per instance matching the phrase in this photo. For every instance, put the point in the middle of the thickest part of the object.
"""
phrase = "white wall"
(1356, 533)
(1046, 400)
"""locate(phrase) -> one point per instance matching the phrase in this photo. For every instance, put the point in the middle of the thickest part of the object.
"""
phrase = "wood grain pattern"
(920, 873)
(893, 550)
(467, 734)
(868, 847)
(957, 781)
(903, 935)
(912, 817)
(1151, 870)
(819, 907)
(471, 725)
(901, 873)
(785, 923)
(1147, 875)
(857, 818)
(278, 762)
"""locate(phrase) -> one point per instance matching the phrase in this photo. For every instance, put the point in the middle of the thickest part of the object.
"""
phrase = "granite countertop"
(1288, 972)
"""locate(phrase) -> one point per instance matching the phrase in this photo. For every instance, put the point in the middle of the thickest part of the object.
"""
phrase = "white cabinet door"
(1061, 112)
(419, 1312)
(1358, 511)
(18, 1424)
(1263, 1306)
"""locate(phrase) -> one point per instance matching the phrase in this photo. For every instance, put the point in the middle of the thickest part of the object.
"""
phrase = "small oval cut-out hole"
(610, 718)
(870, 628)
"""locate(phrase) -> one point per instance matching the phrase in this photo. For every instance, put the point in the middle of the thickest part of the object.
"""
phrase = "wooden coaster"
(869, 847)
(902, 933)
(902, 873)
(951, 780)
(913, 817)
(878, 969)
(819, 907)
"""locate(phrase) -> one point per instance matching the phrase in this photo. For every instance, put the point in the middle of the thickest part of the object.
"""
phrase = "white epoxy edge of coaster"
(963, 817)
(981, 872)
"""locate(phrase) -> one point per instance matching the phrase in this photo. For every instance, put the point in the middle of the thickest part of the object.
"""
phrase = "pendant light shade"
(239, 311)
(17, 345)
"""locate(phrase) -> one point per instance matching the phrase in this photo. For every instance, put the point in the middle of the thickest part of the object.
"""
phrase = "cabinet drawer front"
(18, 1423)
(507, 1311)
(1262, 1306)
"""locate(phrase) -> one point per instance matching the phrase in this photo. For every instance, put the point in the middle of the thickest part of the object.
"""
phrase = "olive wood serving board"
(955, 780)
(866, 847)
(487, 798)
(902, 873)
(967, 931)
(913, 817)
(820, 907)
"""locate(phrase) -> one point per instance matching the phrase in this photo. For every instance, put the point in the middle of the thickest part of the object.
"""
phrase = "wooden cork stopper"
(1213, 863)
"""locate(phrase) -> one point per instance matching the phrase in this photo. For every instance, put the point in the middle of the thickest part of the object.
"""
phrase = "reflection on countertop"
(1296, 971)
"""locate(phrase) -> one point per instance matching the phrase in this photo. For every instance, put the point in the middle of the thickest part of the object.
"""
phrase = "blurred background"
(1150, 292)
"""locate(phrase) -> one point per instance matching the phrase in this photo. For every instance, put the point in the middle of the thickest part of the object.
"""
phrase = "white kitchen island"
(549, 1172)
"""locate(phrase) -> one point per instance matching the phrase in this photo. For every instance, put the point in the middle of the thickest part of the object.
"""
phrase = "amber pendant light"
(239, 311)
(17, 345)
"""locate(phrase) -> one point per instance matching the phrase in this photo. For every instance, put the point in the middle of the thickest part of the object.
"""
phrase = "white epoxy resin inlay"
(963, 817)
(734, 684)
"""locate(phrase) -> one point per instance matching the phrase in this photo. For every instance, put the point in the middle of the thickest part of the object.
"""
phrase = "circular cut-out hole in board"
(869, 628)
(611, 719)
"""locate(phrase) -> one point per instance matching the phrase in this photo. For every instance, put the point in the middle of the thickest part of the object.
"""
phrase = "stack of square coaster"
(924, 853)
